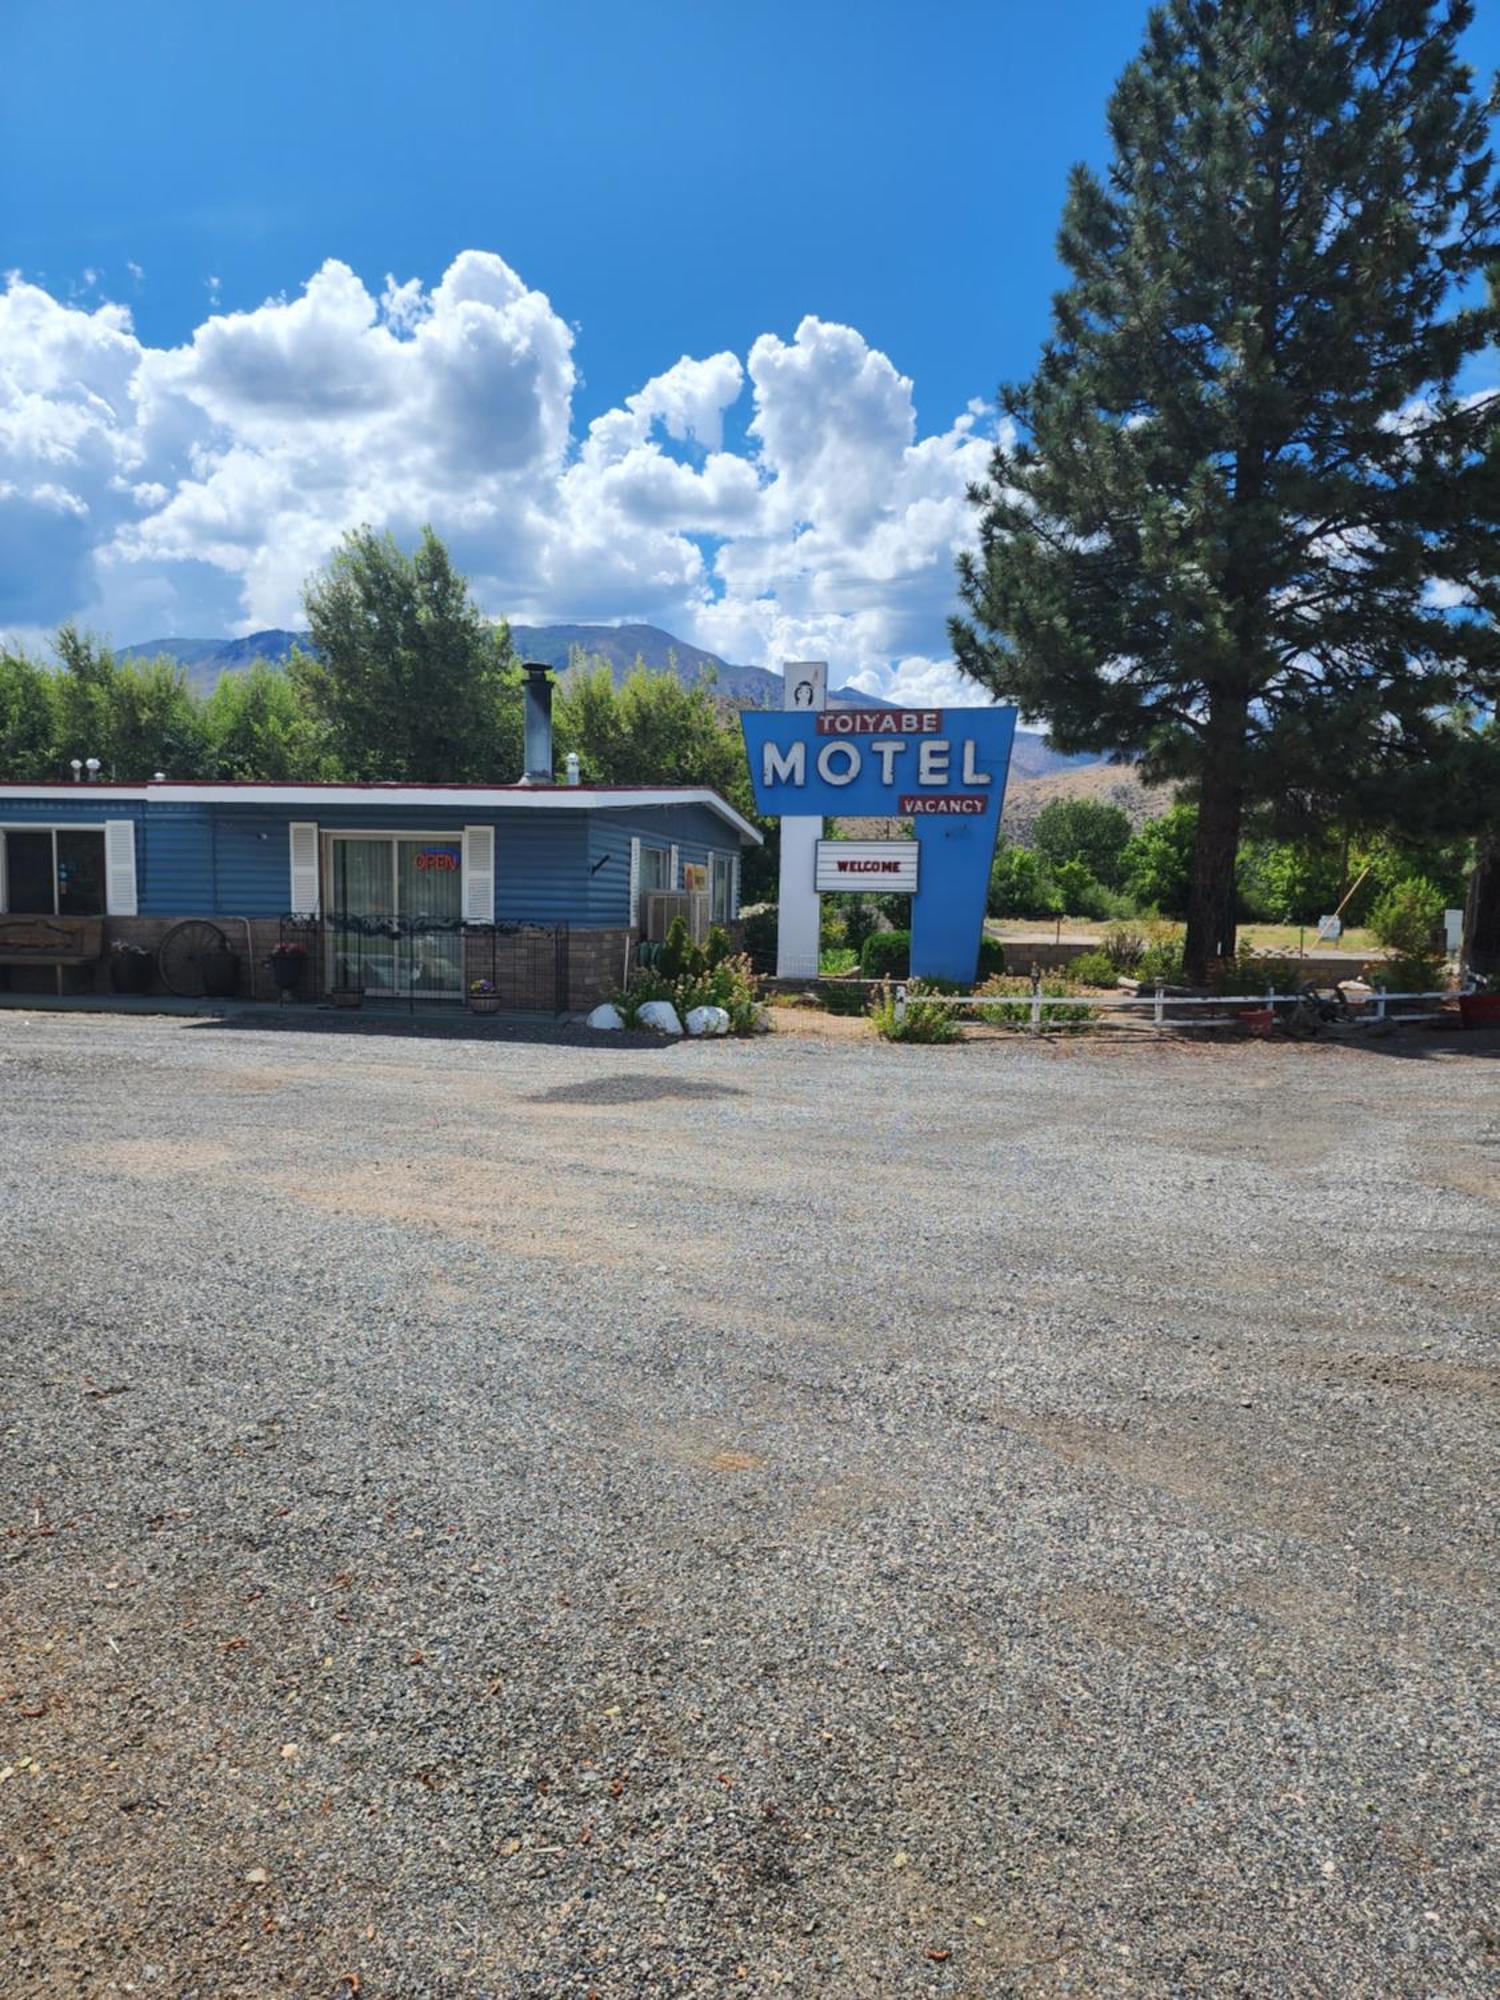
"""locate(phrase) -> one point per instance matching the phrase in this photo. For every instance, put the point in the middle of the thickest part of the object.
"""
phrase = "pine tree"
(1242, 523)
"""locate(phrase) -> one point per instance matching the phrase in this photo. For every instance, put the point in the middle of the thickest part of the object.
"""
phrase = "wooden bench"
(55, 941)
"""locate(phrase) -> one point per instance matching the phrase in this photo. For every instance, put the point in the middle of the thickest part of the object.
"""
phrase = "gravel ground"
(510, 1519)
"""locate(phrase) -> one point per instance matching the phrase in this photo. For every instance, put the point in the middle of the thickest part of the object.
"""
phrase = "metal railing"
(415, 960)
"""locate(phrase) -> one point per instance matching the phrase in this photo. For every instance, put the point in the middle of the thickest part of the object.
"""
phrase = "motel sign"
(943, 769)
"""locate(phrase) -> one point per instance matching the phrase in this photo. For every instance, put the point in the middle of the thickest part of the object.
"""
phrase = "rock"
(606, 1016)
(661, 1015)
(708, 1021)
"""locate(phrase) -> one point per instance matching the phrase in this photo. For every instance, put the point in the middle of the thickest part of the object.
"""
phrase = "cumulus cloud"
(193, 488)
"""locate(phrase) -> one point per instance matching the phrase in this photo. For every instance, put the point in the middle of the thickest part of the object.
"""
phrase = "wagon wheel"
(180, 956)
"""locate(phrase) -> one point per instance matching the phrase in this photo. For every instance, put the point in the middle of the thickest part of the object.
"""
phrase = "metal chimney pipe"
(537, 692)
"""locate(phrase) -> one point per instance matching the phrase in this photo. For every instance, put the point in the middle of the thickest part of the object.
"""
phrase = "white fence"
(1376, 1008)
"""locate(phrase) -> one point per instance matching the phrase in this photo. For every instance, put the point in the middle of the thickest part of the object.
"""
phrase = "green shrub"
(1258, 972)
(760, 937)
(678, 954)
(1093, 968)
(1124, 947)
(843, 996)
(1162, 962)
(887, 955)
(716, 946)
(1010, 1006)
(832, 960)
(991, 957)
(1407, 917)
(1408, 975)
(923, 1022)
(730, 984)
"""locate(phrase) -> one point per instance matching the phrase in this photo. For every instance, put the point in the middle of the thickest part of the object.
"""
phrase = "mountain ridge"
(206, 660)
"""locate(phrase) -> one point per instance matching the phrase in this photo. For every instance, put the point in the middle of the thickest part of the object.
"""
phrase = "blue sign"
(943, 769)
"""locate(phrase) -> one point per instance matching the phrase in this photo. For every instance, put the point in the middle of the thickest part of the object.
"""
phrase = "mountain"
(618, 645)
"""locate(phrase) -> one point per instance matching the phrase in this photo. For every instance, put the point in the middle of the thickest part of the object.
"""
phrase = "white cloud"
(193, 488)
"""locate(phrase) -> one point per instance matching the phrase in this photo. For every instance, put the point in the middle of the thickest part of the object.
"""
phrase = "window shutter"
(119, 868)
(674, 876)
(635, 884)
(479, 875)
(304, 840)
(734, 886)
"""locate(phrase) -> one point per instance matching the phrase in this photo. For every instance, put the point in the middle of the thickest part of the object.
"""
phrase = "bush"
(1408, 975)
(1407, 917)
(678, 955)
(1020, 885)
(842, 996)
(924, 1021)
(1258, 972)
(760, 937)
(1011, 1004)
(991, 957)
(1093, 968)
(836, 959)
(887, 955)
(730, 984)
(1161, 961)
(716, 946)
(1123, 947)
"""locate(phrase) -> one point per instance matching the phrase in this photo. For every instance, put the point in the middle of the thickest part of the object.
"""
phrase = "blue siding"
(567, 865)
(693, 830)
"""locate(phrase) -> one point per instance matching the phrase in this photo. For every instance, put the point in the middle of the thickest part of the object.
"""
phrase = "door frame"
(327, 835)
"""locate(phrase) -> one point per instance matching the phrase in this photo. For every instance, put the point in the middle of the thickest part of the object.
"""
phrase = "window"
(720, 888)
(656, 868)
(50, 871)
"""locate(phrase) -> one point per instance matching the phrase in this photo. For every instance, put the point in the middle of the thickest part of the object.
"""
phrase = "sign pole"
(799, 907)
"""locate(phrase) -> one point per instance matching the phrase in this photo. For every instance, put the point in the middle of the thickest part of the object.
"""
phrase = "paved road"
(518, 1520)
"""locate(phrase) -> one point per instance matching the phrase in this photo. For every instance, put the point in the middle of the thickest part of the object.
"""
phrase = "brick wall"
(523, 965)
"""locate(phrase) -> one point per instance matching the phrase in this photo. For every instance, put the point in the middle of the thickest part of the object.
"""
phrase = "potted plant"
(484, 998)
(130, 967)
(288, 962)
(349, 992)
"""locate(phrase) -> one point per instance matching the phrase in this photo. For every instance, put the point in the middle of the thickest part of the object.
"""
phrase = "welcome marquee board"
(943, 769)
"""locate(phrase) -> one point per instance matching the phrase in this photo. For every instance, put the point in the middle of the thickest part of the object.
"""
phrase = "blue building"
(399, 889)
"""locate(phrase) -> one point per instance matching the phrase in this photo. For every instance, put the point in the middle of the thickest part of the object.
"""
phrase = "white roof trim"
(451, 798)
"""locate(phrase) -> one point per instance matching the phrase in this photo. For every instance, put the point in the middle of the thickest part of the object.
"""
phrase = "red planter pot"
(1479, 1010)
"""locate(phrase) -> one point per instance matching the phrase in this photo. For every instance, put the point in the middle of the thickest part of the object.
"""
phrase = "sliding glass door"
(395, 914)
(52, 871)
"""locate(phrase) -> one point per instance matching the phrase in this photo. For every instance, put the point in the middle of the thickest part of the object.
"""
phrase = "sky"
(683, 313)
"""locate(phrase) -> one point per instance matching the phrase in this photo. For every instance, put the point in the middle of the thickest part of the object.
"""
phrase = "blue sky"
(856, 205)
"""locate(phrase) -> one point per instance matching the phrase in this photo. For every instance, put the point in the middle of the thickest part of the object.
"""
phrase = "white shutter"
(734, 887)
(674, 878)
(119, 867)
(479, 875)
(634, 919)
(304, 843)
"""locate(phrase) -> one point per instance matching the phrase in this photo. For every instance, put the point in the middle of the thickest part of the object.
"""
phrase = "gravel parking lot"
(516, 1520)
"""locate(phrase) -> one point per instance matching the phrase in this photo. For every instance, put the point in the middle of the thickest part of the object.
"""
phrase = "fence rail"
(1373, 1009)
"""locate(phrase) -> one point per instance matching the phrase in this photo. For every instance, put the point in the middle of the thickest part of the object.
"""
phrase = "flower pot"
(484, 1003)
(221, 974)
(1479, 1010)
(1258, 1020)
(130, 972)
(287, 971)
(347, 996)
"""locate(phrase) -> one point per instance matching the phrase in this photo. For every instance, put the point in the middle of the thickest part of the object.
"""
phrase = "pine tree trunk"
(1482, 910)
(1211, 900)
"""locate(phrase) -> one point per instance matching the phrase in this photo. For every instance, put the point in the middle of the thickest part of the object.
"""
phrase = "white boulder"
(661, 1015)
(606, 1017)
(708, 1021)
